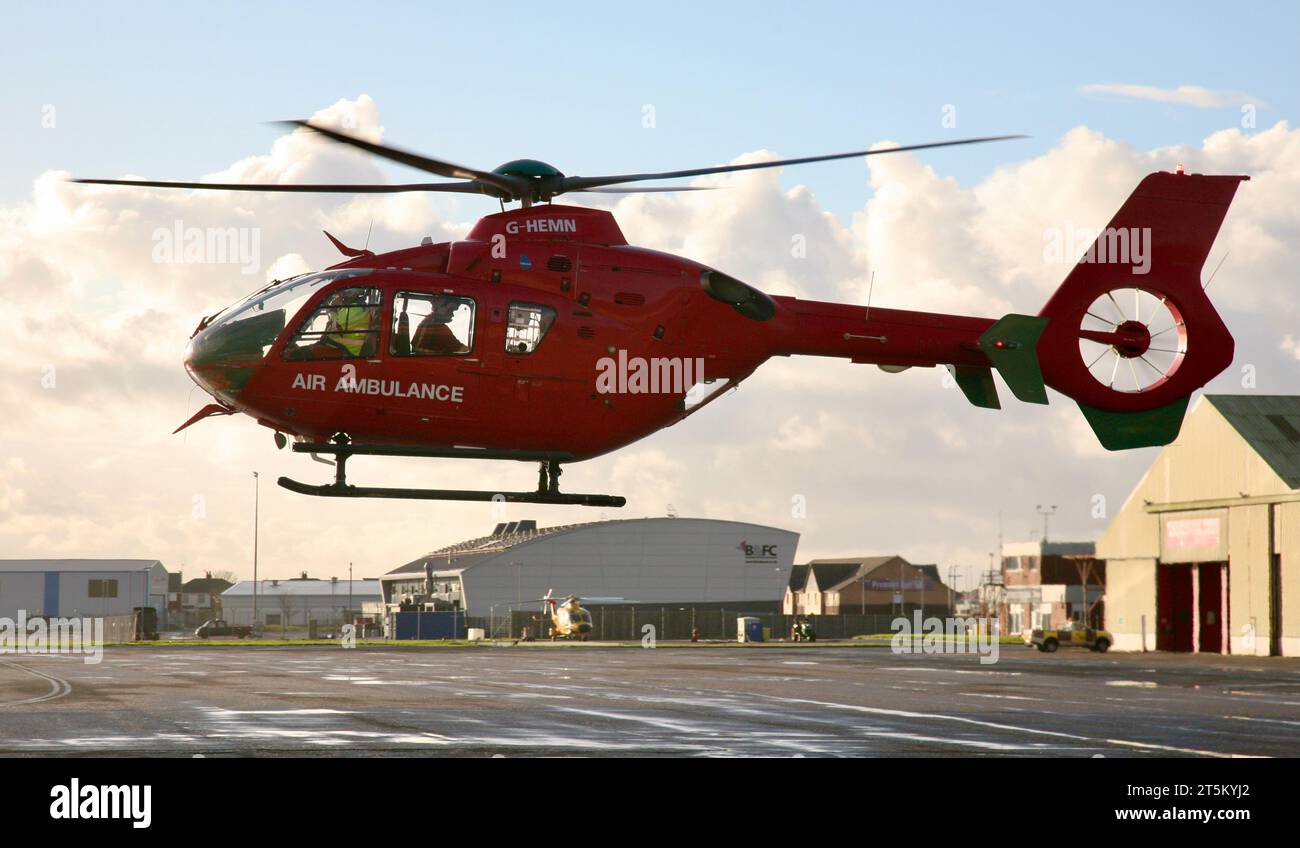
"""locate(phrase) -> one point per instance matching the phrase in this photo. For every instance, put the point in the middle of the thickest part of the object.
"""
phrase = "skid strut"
(548, 476)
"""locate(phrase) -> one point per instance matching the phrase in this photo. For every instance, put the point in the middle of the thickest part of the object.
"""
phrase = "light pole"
(1046, 513)
(349, 593)
(255, 512)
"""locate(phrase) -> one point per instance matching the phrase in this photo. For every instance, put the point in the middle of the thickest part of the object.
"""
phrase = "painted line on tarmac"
(1146, 746)
(58, 686)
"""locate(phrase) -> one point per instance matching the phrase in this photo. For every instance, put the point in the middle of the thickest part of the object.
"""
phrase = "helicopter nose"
(224, 381)
(221, 359)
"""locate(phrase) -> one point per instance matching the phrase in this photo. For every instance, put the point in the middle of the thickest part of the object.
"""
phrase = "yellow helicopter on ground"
(569, 620)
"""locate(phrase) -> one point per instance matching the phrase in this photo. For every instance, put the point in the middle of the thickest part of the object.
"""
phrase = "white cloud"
(885, 462)
(1185, 95)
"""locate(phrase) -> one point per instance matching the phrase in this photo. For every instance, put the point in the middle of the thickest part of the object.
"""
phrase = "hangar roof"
(1270, 424)
(82, 565)
(507, 536)
(299, 587)
(462, 555)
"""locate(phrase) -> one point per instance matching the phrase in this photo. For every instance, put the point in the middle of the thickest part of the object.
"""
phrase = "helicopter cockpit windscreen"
(247, 330)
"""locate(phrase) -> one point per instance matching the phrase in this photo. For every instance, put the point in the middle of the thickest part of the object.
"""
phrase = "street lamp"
(255, 513)
(1046, 513)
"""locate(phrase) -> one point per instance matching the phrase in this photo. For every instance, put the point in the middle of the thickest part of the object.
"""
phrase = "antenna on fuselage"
(870, 287)
(368, 231)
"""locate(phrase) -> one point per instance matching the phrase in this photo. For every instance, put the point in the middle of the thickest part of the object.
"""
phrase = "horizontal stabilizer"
(1125, 430)
(1011, 344)
(977, 384)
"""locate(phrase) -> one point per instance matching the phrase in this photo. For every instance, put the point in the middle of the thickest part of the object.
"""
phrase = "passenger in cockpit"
(434, 335)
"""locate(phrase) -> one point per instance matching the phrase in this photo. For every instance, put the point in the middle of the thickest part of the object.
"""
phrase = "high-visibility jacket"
(353, 328)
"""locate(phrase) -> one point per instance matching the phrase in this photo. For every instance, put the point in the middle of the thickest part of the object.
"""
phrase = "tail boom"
(1176, 217)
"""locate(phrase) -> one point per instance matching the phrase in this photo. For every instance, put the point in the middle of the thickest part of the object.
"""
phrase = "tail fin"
(1130, 333)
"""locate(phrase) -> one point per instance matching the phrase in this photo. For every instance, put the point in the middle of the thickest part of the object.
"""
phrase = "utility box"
(749, 629)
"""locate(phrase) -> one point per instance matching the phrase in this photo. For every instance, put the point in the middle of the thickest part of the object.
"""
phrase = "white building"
(644, 561)
(298, 601)
(71, 588)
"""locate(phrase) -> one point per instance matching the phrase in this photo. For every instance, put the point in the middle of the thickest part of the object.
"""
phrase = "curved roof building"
(645, 561)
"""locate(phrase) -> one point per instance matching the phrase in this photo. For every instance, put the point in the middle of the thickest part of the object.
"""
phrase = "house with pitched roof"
(881, 585)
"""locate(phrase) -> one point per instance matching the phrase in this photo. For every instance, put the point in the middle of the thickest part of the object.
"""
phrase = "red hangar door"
(1209, 606)
(1173, 607)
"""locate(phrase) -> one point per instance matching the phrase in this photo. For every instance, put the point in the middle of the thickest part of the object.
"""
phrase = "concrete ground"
(688, 701)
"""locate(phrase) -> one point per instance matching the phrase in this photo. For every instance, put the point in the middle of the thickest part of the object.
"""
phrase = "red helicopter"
(545, 337)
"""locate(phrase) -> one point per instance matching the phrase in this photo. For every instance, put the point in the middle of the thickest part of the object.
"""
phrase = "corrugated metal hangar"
(75, 588)
(1205, 553)
(297, 601)
(645, 561)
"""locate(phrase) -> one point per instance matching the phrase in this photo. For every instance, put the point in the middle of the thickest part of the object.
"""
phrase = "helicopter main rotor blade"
(642, 189)
(471, 187)
(588, 183)
(511, 186)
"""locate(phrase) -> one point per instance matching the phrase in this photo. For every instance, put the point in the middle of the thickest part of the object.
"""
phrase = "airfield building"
(647, 561)
(297, 602)
(1046, 584)
(1205, 553)
(82, 587)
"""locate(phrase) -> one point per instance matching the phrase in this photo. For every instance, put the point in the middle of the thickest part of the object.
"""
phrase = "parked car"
(221, 627)
(1073, 634)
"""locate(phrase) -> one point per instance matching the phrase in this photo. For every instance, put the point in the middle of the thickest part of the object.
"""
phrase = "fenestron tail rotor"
(1132, 340)
(525, 180)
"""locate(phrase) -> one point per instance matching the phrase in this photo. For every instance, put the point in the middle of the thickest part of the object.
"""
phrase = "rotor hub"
(1132, 339)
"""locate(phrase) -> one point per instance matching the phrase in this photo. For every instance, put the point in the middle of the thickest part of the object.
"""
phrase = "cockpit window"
(344, 326)
(426, 324)
(243, 333)
(526, 326)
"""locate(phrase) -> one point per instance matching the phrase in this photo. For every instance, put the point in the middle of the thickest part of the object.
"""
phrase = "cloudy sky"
(92, 385)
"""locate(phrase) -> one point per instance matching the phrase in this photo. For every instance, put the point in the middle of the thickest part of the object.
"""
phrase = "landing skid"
(548, 476)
